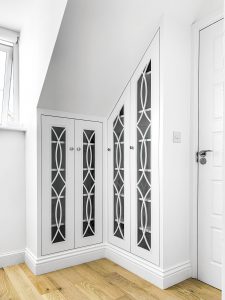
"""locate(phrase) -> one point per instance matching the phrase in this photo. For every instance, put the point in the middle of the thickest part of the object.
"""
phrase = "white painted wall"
(38, 36)
(209, 7)
(12, 187)
(175, 158)
(13, 13)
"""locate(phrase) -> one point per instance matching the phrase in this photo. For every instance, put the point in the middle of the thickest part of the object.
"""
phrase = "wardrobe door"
(118, 173)
(57, 136)
(88, 183)
(145, 156)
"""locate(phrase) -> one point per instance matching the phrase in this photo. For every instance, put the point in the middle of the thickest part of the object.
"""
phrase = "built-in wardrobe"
(133, 162)
(71, 183)
(99, 178)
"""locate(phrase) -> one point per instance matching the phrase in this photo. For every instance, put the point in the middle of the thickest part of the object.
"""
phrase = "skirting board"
(57, 261)
(162, 278)
(11, 258)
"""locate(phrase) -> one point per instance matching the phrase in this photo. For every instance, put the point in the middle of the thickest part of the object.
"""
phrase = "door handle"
(201, 156)
(203, 153)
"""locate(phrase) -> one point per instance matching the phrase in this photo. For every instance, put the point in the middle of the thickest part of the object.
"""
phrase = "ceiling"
(99, 45)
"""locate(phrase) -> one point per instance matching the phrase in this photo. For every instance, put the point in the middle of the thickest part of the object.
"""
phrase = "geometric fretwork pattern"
(118, 176)
(144, 159)
(58, 184)
(88, 183)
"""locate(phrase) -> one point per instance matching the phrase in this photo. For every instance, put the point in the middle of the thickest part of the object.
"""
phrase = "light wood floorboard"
(96, 280)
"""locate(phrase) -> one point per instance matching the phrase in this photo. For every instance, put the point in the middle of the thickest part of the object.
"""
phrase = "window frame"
(7, 81)
(9, 43)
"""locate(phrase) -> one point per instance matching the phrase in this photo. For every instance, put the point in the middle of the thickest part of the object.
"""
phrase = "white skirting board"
(162, 278)
(157, 276)
(11, 258)
(57, 261)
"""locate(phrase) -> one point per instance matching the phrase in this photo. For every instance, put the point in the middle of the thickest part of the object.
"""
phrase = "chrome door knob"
(78, 148)
(71, 148)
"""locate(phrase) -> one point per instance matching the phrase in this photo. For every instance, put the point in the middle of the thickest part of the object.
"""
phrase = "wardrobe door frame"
(80, 126)
(151, 54)
(46, 123)
(122, 243)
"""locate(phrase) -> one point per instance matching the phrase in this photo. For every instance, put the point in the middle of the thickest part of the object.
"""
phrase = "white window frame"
(7, 81)
(9, 43)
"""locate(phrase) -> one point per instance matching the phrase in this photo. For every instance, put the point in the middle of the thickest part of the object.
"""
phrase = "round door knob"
(71, 148)
(78, 148)
(131, 147)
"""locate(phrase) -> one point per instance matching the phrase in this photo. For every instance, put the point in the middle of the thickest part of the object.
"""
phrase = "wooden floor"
(100, 279)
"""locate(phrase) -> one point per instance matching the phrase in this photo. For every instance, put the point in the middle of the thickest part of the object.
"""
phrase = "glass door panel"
(57, 184)
(88, 183)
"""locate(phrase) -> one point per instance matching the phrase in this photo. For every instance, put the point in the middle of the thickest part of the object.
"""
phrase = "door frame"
(194, 130)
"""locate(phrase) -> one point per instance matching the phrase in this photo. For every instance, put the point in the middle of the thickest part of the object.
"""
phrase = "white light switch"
(177, 137)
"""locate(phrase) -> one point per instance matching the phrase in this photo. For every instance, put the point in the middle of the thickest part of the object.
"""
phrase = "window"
(8, 80)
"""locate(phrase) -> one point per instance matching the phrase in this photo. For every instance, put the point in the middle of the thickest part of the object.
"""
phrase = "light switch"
(177, 137)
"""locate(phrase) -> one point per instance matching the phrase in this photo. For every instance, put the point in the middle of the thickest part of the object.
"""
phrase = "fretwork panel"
(118, 178)
(88, 183)
(144, 159)
(58, 184)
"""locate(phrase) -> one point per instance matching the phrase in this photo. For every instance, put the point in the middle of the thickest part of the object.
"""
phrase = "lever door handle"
(203, 153)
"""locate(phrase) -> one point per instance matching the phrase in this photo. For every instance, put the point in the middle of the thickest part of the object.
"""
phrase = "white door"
(88, 183)
(57, 184)
(210, 193)
(144, 156)
(119, 173)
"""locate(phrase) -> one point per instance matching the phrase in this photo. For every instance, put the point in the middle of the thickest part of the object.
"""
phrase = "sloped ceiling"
(99, 45)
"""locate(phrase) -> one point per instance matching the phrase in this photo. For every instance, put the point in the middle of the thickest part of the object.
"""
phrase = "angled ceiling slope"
(100, 44)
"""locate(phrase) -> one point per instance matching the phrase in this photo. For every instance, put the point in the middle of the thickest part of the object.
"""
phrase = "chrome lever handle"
(203, 153)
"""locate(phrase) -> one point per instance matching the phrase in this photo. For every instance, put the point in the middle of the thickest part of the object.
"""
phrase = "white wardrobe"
(72, 156)
(71, 183)
(133, 162)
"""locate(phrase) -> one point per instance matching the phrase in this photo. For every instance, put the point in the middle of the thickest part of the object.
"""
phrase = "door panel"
(88, 183)
(57, 184)
(144, 156)
(210, 195)
(119, 175)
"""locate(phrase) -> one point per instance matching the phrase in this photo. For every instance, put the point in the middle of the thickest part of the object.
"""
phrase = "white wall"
(175, 158)
(12, 187)
(38, 36)
(209, 7)
(175, 116)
